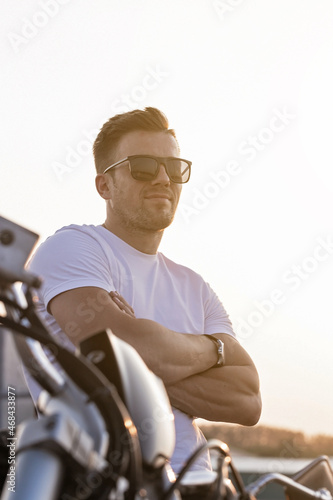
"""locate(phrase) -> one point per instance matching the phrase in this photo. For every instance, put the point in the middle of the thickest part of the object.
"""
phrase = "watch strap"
(219, 349)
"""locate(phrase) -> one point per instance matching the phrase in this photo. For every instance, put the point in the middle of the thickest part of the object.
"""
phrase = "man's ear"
(102, 185)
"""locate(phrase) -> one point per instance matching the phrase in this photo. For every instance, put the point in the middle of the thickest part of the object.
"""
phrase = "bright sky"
(247, 84)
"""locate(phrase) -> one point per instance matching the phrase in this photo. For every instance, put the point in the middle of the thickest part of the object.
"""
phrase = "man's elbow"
(252, 404)
(251, 410)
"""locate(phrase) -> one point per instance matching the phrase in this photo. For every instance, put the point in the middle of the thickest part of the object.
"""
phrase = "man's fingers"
(121, 300)
(122, 303)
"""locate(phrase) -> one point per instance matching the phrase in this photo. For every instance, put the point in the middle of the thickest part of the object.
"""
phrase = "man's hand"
(122, 304)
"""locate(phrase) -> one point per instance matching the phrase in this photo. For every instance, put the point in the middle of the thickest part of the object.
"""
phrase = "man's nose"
(162, 176)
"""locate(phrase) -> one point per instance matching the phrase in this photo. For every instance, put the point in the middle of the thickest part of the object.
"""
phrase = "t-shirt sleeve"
(70, 259)
(216, 317)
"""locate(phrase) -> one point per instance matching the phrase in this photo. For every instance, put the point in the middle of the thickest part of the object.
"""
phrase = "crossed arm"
(183, 361)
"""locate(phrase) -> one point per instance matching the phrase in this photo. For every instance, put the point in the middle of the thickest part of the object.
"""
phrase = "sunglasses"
(146, 168)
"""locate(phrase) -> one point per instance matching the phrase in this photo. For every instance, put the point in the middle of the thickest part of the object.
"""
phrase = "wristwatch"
(219, 349)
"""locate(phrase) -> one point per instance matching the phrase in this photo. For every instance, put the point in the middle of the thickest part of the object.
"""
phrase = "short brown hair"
(151, 119)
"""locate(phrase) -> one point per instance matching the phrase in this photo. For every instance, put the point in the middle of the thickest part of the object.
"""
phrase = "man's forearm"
(174, 357)
(227, 394)
(171, 355)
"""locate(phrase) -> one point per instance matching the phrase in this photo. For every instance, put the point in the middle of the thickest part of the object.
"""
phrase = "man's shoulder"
(89, 229)
(72, 231)
(65, 240)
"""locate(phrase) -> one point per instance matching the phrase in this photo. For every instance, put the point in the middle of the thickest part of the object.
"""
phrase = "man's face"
(140, 205)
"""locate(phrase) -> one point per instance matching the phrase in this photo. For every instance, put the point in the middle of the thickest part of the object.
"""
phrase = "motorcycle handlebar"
(254, 488)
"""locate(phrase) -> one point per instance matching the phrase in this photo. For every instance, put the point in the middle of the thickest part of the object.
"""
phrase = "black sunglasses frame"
(160, 161)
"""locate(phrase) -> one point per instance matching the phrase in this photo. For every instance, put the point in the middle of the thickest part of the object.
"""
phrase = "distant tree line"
(270, 441)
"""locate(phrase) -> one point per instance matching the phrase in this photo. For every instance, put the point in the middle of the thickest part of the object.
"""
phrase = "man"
(112, 276)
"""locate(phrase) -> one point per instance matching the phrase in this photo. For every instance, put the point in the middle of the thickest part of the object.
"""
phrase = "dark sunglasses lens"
(143, 169)
(178, 170)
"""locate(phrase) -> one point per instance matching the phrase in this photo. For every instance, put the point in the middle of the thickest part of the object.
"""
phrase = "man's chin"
(160, 225)
(158, 222)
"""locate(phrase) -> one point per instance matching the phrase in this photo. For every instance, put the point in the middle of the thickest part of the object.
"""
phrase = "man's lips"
(151, 196)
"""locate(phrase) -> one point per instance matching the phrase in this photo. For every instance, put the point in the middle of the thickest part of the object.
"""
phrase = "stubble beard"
(144, 220)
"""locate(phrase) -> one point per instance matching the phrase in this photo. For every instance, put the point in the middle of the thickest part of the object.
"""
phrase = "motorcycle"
(105, 427)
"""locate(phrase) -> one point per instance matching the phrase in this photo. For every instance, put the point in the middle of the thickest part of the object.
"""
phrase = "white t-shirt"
(156, 288)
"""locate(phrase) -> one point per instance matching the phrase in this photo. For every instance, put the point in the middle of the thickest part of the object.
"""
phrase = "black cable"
(11, 302)
(211, 444)
(29, 312)
(27, 332)
(31, 315)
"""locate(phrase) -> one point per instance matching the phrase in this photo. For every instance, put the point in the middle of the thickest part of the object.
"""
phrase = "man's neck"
(144, 241)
